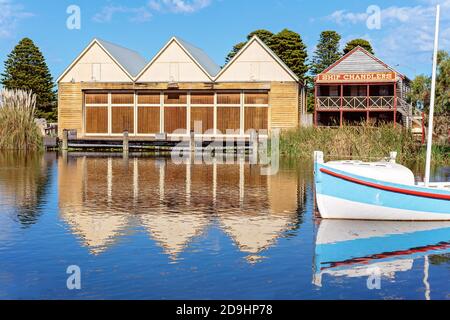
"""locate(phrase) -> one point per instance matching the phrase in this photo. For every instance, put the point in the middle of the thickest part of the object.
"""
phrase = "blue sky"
(404, 39)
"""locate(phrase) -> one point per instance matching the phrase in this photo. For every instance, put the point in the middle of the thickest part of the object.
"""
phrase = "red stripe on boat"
(387, 188)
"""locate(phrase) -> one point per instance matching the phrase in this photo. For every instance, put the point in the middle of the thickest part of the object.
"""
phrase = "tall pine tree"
(327, 51)
(289, 46)
(26, 69)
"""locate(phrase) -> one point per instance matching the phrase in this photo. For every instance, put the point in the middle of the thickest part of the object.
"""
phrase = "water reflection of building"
(383, 248)
(86, 200)
(101, 198)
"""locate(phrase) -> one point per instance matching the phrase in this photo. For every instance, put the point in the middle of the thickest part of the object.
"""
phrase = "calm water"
(146, 228)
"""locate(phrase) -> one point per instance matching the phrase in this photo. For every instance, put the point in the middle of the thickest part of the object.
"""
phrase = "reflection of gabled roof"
(132, 61)
(128, 60)
(201, 57)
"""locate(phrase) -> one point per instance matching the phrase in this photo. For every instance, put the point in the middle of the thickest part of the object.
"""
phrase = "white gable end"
(173, 65)
(254, 64)
(95, 65)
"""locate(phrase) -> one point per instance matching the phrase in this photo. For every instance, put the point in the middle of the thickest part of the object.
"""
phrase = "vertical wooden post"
(65, 143)
(368, 103)
(395, 103)
(125, 142)
(192, 141)
(341, 112)
(254, 141)
(316, 121)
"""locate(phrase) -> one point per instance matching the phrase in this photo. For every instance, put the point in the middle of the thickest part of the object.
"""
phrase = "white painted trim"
(242, 113)
(109, 113)
(136, 114)
(215, 114)
(268, 50)
(161, 112)
(188, 112)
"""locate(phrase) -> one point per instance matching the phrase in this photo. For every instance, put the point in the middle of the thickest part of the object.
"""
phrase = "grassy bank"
(362, 142)
(18, 129)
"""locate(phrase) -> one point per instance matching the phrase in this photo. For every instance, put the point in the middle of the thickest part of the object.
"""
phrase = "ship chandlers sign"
(357, 77)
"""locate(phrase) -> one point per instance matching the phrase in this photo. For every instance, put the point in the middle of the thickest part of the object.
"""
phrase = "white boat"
(381, 190)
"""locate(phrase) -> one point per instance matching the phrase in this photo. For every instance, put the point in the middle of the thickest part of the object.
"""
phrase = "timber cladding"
(266, 106)
(70, 107)
(284, 105)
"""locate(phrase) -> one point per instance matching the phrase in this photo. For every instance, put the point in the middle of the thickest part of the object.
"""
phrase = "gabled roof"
(198, 56)
(269, 51)
(201, 57)
(128, 60)
(131, 60)
(368, 54)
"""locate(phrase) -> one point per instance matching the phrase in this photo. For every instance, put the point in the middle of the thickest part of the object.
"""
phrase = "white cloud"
(344, 16)
(10, 15)
(144, 13)
(179, 6)
(140, 14)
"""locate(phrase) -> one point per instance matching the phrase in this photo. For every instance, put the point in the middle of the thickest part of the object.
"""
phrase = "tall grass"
(357, 142)
(18, 129)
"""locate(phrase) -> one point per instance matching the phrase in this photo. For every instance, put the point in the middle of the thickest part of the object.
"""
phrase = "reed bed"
(363, 142)
(18, 130)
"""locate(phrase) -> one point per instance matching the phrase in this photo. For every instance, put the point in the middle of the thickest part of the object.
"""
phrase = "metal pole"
(432, 100)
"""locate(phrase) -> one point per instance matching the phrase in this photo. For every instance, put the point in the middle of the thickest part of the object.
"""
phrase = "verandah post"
(395, 103)
(368, 103)
(341, 112)
(316, 122)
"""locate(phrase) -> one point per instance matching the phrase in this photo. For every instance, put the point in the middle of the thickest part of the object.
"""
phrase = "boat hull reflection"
(354, 248)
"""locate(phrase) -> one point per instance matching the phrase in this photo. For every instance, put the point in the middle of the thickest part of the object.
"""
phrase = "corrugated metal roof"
(131, 60)
(358, 61)
(201, 57)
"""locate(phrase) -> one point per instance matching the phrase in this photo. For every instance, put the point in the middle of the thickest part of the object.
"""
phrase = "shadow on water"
(24, 182)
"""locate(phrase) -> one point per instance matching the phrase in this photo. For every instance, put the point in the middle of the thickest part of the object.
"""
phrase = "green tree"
(419, 95)
(287, 45)
(26, 69)
(327, 51)
(358, 42)
(443, 83)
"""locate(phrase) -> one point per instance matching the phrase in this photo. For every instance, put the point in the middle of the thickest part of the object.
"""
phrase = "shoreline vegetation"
(18, 129)
(360, 142)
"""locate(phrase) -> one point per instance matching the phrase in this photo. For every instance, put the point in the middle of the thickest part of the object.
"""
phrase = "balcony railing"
(355, 102)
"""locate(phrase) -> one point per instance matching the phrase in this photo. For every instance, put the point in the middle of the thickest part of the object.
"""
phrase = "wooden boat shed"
(359, 88)
(109, 89)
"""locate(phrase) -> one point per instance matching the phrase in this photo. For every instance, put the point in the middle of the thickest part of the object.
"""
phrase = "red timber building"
(361, 88)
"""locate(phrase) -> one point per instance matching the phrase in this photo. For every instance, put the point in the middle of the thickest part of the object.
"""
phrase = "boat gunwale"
(417, 193)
